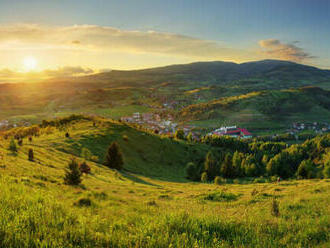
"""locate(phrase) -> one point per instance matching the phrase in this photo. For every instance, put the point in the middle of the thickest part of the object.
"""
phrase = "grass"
(149, 205)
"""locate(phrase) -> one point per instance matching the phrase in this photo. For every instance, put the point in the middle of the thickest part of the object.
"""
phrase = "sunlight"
(30, 63)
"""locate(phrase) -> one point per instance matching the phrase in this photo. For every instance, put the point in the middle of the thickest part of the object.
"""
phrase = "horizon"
(90, 37)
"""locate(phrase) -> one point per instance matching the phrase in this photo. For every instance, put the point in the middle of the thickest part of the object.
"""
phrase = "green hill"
(282, 106)
(150, 204)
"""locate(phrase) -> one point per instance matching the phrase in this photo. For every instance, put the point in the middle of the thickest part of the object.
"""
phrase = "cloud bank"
(276, 49)
(91, 37)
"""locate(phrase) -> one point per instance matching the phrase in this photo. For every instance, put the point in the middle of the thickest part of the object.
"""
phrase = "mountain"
(216, 72)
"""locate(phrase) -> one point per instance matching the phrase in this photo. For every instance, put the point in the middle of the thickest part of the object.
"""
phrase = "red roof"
(244, 131)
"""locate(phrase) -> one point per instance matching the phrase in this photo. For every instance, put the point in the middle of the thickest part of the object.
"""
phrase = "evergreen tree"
(191, 170)
(237, 164)
(227, 168)
(73, 173)
(210, 166)
(114, 158)
(31, 155)
(84, 168)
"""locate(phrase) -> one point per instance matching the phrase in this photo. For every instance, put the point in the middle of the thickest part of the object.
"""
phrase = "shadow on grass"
(136, 179)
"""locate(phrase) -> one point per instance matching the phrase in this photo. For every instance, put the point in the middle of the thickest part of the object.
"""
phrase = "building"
(232, 131)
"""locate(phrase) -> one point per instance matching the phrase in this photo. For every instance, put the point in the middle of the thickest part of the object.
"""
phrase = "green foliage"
(84, 168)
(204, 177)
(221, 196)
(326, 171)
(192, 171)
(114, 158)
(179, 134)
(227, 169)
(275, 209)
(218, 180)
(211, 166)
(190, 137)
(86, 154)
(72, 174)
(12, 146)
(31, 155)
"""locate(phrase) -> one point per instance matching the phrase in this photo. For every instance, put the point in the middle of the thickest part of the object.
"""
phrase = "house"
(233, 131)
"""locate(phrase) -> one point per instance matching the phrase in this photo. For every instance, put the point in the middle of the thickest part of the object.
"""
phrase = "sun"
(30, 63)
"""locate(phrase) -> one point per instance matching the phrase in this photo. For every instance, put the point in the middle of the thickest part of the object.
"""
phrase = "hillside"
(283, 106)
(121, 93)
(151, 197)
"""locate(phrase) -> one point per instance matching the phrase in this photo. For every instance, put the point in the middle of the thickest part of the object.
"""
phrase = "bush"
(275, 210)
(218, 180)
(191, 171)
(12, 145)
(85, 153)
(31, 155)
(67, 135)
(73, 174)
(179, 134)
(84, 168)
(84, 202)
(204, 177)
(114, 158)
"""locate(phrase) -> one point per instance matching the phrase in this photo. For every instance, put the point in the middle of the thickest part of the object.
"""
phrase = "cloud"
(276, 49)
(104, 38)
(68, 71)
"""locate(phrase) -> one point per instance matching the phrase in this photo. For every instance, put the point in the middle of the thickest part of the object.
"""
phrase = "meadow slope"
(150, 204)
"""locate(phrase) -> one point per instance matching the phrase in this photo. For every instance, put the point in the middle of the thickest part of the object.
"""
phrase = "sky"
(76, 37)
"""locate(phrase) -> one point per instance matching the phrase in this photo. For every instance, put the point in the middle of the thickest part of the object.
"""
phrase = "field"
(151, 203)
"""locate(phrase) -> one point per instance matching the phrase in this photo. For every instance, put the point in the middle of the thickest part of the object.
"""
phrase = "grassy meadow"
(150, 203)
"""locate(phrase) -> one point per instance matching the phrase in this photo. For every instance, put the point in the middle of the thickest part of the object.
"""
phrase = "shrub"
(84, 202)
(84, 168)
(191, 170)
(85, 153)
(12, 146)
(179, 134)
(31, 155)
(30, 139)
(204, 177)
(20, 142)
(125, 137)
(220, 196)
(218, 180)
(275, 210)
(73, 174)
(67, 135)
(114, 158)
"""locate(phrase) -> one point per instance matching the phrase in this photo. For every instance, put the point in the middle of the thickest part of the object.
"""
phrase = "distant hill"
(217, 72)
(304, 104)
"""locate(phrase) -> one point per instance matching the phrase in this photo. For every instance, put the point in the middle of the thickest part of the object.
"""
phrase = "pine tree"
(114, 158)
(73, 174)
(210, 166)
(227, 168)
(31, 155)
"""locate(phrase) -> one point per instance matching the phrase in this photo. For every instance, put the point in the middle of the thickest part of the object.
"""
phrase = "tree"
(31, 155)
(237, 164)
(204, 177)
(305, 169)
(190, 137)
(179, 134)
(326, 170)
(114, 158)
(86, 154)
(227, 168)
(73, 173)
(12, 145)
(84, 168)
(210, 166)
(191, 170)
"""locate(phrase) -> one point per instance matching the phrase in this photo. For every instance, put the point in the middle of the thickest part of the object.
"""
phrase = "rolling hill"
(150, 204)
